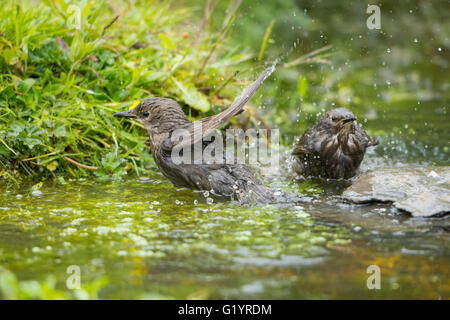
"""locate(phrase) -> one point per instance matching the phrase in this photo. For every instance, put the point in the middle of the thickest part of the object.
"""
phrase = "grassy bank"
(67, 66)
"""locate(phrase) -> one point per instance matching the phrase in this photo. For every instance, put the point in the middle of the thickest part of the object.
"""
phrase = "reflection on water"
(414, 133)
(150, 240)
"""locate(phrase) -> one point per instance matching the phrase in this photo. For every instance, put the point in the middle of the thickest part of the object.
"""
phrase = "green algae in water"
(146, 239)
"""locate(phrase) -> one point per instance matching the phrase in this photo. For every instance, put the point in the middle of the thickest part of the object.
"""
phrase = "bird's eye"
(333, 118)
(145, 114)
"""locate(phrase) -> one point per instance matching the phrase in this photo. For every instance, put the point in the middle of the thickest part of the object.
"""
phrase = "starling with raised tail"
(162, 116)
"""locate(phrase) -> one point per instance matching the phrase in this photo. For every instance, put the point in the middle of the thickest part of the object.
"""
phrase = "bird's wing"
(370, 141)
(199, 129)
(301, 147)
(299, 150)
(373, 142)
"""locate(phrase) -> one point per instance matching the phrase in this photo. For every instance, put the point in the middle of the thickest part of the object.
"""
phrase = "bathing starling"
(333, 148)
(162, 117)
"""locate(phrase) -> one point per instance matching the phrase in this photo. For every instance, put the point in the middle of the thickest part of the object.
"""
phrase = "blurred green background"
(406, 60)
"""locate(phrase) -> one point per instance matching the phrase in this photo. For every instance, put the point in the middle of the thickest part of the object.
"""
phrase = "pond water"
(143, 238)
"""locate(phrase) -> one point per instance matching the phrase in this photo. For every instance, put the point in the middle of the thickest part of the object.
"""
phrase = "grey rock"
(422, 191)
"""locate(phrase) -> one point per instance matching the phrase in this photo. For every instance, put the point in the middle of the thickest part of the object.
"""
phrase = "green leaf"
(15, 129)
(37, 186)
(25, 85)
(31, 142)
(60, 131)
(52, 165)
(166, 43)
(266, 39)
(153, 76)
(190, 95)
(302, 86)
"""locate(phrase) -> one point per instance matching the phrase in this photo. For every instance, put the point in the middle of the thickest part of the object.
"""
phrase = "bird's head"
(157, 115)
(338, 120)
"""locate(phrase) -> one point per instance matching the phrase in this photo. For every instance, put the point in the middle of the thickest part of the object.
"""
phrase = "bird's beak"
(349, 119)
(125, 114)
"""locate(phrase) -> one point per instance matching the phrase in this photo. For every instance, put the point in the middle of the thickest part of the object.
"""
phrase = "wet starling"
(333, 148)
(162, 116)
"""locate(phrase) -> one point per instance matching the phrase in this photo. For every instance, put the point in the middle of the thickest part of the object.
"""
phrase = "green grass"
(67, 66)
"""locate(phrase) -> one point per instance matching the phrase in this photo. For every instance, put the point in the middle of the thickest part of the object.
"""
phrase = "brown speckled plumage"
(162, 116)
(333, 148)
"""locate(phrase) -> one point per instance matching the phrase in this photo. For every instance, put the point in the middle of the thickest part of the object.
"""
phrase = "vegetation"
(67, 66)
(12, 288)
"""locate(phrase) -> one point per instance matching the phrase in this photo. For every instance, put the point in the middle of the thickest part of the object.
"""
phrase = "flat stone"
(422, 191)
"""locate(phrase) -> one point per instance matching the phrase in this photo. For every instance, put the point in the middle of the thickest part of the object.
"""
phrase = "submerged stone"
(422, 191)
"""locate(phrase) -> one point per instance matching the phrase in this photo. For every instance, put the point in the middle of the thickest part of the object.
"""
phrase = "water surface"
(146, 239)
